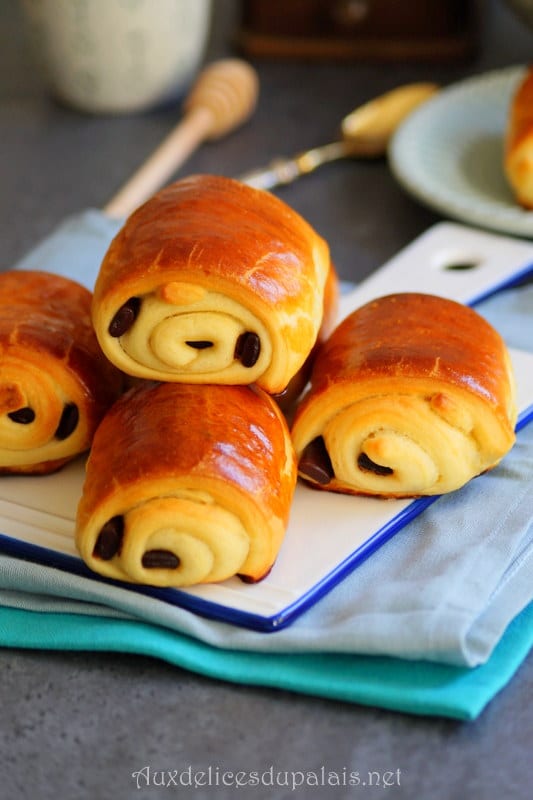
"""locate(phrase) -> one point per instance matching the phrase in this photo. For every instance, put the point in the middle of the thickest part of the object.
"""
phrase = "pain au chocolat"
(187, 484)
(212, 281)
(55, 383)
(518, 152)
(411, 395)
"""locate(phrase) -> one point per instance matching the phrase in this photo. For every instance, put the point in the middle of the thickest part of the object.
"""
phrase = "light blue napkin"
(76, 248)
(445, 589)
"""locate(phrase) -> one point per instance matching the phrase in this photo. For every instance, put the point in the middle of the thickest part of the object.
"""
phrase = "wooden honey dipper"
(222, 98)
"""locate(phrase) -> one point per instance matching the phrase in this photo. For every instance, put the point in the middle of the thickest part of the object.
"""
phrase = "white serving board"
(328, 534)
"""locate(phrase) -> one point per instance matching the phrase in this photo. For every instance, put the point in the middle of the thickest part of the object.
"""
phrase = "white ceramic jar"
(118, 56)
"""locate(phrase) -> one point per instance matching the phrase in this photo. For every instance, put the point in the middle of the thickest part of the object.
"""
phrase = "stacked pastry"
(215, 295)
(220, 299)
(55, 383)
(213, 281)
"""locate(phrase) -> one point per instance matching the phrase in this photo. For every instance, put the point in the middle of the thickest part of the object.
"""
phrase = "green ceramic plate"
(449, 153)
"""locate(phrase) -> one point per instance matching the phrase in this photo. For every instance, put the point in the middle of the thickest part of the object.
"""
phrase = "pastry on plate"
(55, 382)
(411, 395)
(187, 484)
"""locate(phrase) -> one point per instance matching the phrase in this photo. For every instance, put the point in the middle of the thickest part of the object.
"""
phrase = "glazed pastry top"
(419, 335)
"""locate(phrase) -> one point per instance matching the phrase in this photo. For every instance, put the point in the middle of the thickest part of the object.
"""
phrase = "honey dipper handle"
(160, 165)
(222, 98)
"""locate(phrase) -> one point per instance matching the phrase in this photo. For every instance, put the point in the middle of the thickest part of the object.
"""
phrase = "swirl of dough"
(399, 445)
(177, 540)
(194, 342)
(33, 416)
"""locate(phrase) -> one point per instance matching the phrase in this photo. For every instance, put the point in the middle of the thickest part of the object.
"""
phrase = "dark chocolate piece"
(162, 559)
(248, 348)
(315, 462)
(22, 415)
(201, 344)
(68, 422)
(125, 317)
(109, 539)
(366, 463)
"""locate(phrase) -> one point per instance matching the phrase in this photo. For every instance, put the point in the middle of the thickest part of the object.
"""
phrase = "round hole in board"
(456, 260)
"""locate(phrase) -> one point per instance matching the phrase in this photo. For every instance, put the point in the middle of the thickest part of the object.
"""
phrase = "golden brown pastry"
(187, 484)
(518, 158)
(411, 395)
(55, 383)
(212, 281)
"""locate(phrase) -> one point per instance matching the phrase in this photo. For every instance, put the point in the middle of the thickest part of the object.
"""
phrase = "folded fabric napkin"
(416, 687)
(445, 589)
(76, 248)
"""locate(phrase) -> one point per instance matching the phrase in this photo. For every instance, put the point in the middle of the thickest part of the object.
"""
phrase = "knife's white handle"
(449, 260)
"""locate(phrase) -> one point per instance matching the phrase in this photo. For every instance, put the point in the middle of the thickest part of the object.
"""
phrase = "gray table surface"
(77, 725)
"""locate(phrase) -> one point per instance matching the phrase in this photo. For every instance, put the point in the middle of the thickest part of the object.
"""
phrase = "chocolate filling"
(366, 463)
(22, 415)
(109, 539)
(125, 317)
(68, 422)
(160, 559)
(201, 344)
(315, 462)
(248, 348)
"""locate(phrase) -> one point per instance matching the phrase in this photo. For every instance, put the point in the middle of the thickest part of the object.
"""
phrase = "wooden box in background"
(379, 30)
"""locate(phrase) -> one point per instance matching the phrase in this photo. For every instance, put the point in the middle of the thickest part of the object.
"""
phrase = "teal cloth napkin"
(415, 687)
(436, 621)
